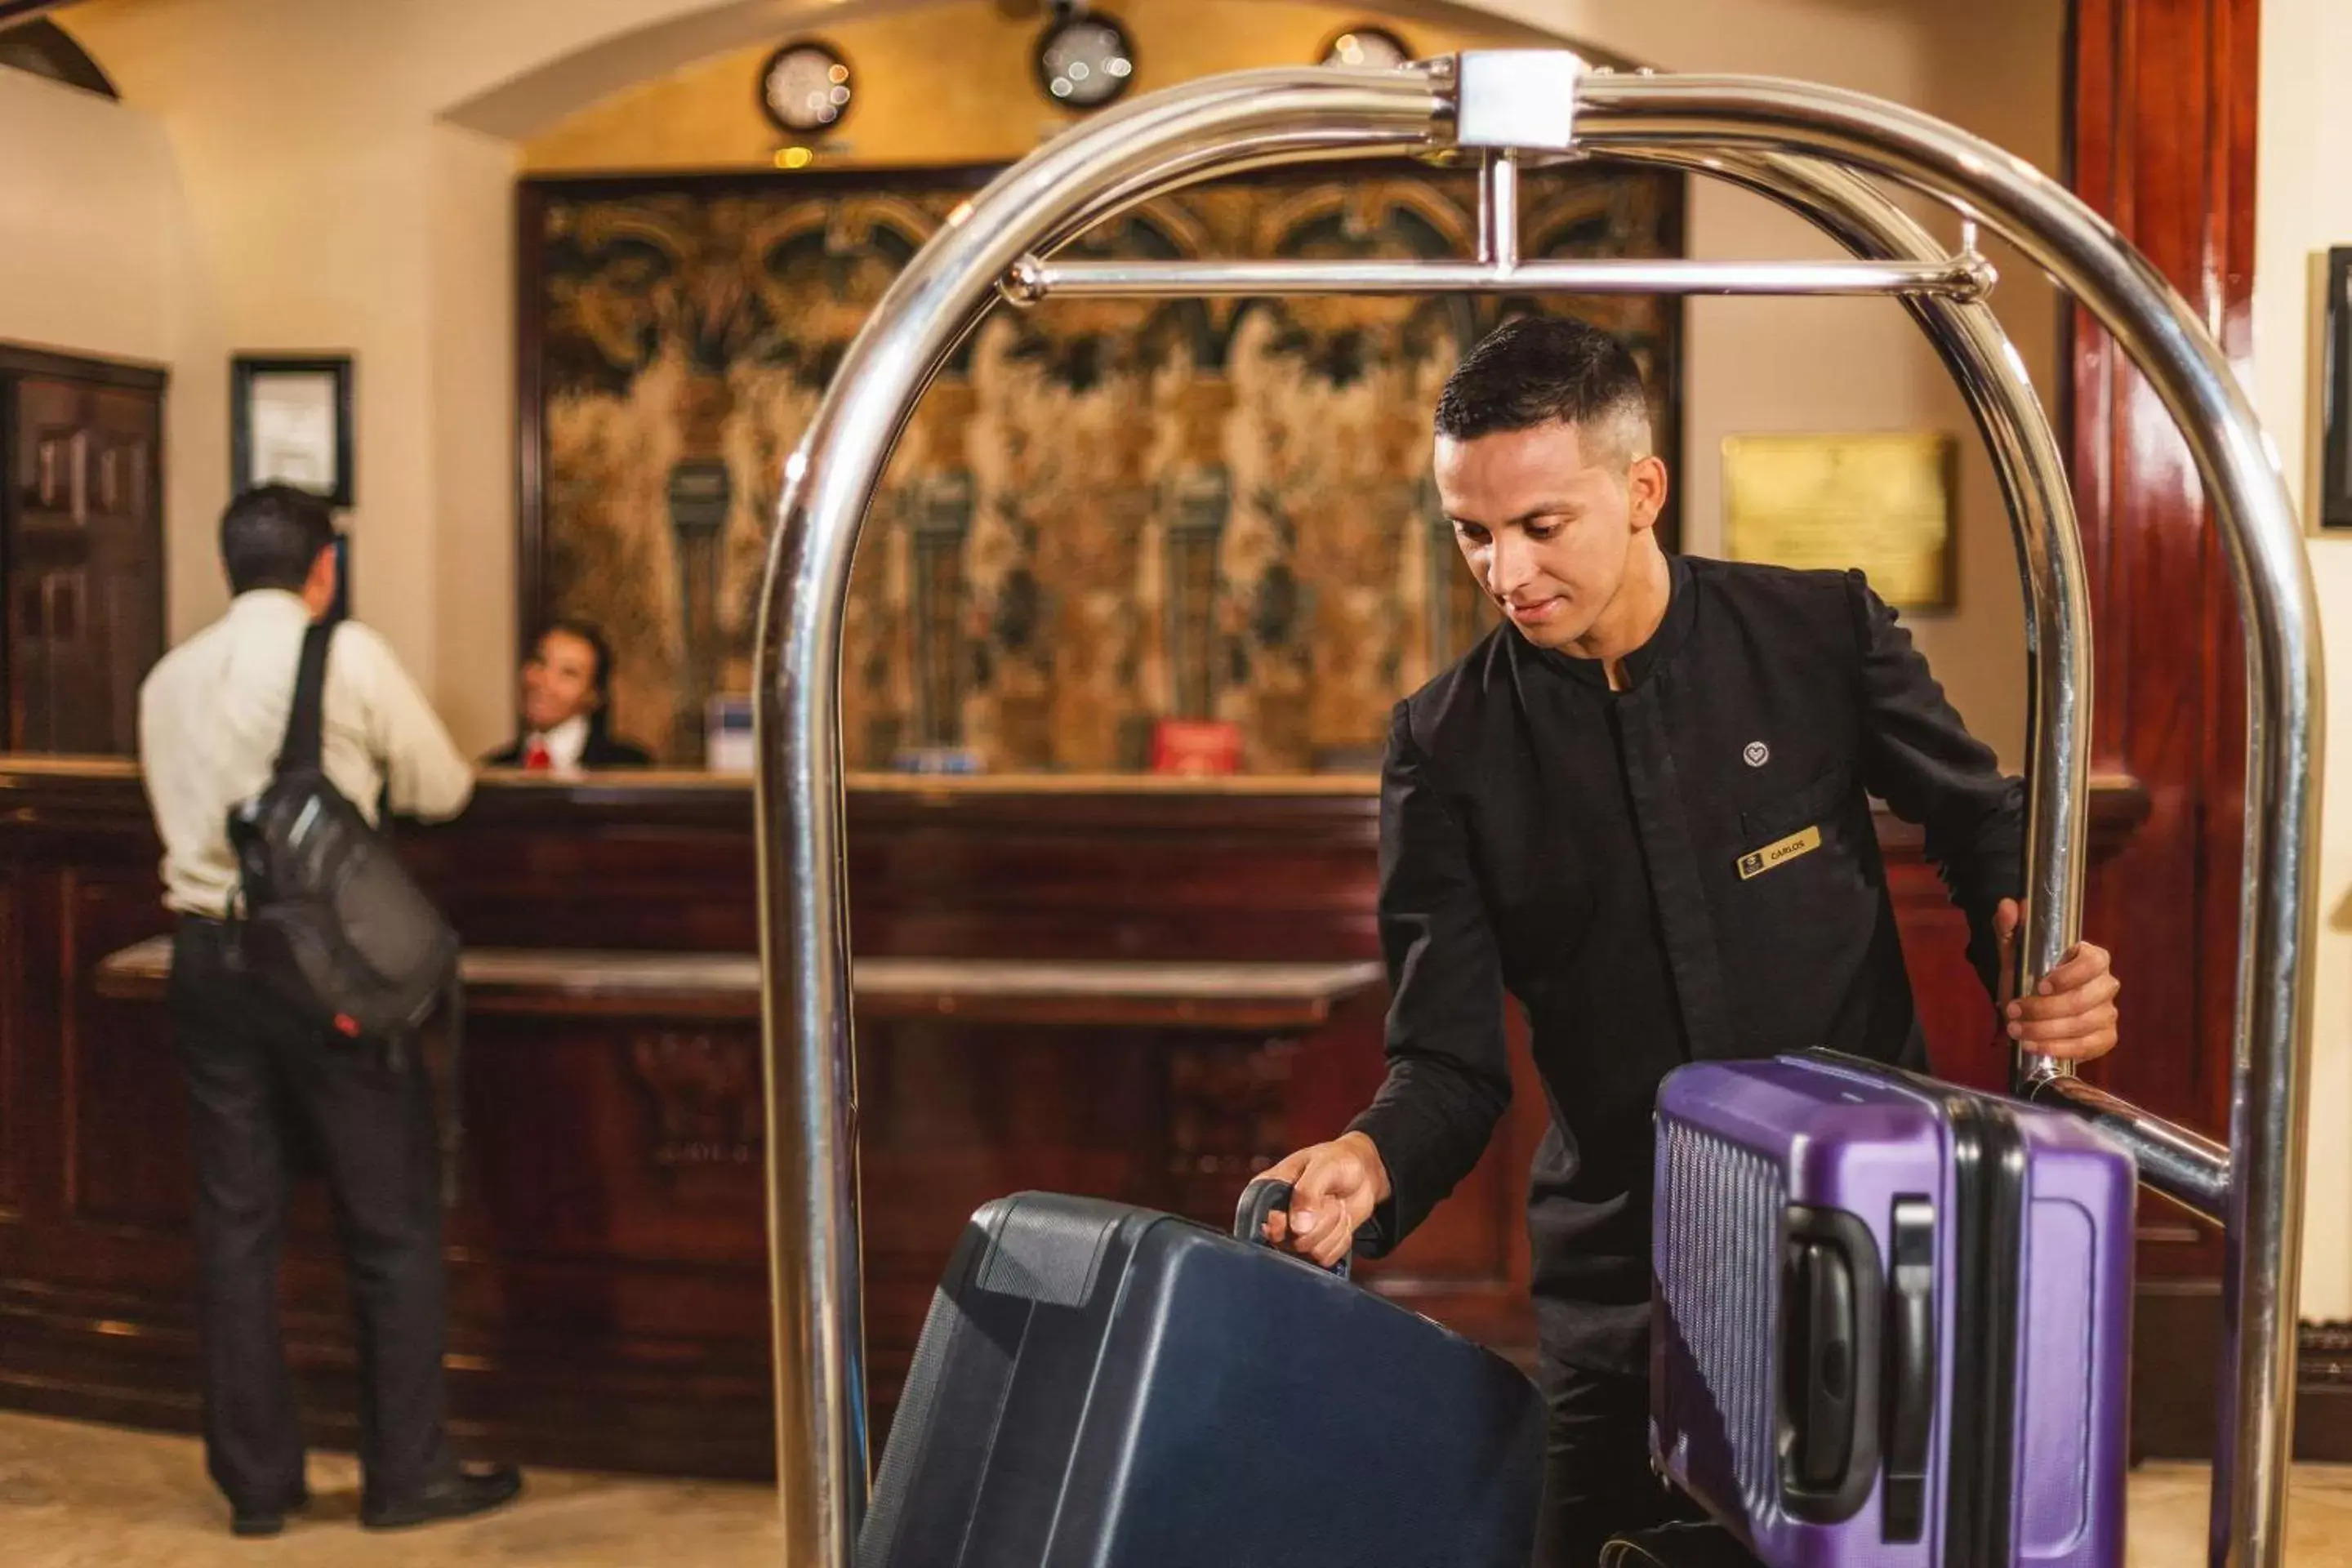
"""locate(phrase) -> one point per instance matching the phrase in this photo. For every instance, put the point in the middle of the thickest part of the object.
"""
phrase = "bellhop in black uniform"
(1680, 869)
(1641, 806)
(1671, 870)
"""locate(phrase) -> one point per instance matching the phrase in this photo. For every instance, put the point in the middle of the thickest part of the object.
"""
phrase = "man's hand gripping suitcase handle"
(1264, 1201)
(1312, 1203)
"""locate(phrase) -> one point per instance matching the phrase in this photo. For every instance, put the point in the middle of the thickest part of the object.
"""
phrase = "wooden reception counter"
(1131, 987)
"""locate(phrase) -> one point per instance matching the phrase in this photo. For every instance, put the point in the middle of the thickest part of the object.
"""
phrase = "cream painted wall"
(2304, 205)
(96, 257)
(471, 300)
(312, 181)
(90, 223)
(338, 207)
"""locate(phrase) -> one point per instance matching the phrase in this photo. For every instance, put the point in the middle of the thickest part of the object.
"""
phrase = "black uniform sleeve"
(1449, 1076)
(1919, 758)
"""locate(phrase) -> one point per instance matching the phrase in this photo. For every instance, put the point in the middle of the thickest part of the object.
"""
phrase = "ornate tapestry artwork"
(1103, 514)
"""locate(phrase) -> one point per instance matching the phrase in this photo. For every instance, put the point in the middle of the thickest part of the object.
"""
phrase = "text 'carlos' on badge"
(1757, 861)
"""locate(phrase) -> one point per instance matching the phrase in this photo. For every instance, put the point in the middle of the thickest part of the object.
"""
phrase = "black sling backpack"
(327, 918)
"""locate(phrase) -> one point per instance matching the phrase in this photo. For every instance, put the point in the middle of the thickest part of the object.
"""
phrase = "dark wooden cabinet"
(81, 548)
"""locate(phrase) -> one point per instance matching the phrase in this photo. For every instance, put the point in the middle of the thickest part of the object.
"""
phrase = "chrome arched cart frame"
(1805, 146)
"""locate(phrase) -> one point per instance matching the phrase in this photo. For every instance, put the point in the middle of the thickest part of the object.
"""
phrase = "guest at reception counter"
(262, 1075)
(567, 708)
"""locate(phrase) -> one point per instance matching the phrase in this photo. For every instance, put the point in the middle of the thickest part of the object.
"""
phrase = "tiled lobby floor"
(78, 1495)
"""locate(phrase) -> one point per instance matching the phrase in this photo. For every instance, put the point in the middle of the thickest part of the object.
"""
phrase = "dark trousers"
(259, 1077)
(1597, 1476)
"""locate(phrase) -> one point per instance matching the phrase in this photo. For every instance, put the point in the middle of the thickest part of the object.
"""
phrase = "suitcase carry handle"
(1830, 1318)
(1260, 1202)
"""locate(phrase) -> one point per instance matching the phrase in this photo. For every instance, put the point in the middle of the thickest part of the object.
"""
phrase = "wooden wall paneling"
(39, 1008)
(13, 1115)
(81, 579)
(126, 1162)
(608, 1288)
(2161, 145)
(93, 1321)
(126, 523)
(46, 558)
(2162, 114)
(12, 486)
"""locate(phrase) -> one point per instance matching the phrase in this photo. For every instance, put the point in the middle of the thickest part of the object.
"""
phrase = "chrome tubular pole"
(2032, 473)
(1787, 140)
(1032, 280)
(2276, 601)
(1218, 125)
(1498, 209)
(2190, 1170)
(2175, 1162)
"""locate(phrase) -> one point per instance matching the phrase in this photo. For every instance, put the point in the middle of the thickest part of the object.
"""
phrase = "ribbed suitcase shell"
(1113, 1388)
(2026, 1452)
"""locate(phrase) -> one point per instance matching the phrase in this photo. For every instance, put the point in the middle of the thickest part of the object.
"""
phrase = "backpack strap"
(305, 741)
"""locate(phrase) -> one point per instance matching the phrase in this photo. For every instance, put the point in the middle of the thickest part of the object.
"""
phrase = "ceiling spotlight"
(1370, 48)
(1085, 61)
(805, 88)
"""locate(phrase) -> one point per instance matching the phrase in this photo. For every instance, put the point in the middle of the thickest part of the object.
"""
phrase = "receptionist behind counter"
(567, 707)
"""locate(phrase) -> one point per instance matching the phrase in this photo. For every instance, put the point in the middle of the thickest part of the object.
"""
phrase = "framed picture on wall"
(290, 423)
(2336, 394)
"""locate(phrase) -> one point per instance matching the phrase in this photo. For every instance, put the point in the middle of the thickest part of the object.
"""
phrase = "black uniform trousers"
(259, 1077)
(1597, 1477)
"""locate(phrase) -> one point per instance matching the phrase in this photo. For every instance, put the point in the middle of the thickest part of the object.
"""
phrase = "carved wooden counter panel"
(609, 1282)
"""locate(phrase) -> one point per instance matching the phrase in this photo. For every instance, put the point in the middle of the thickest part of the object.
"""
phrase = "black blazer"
(1686, 868)
(601, 752)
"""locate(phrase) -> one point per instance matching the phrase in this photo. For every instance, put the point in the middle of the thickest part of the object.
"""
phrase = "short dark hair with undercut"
(270, 535)
(1534, 370)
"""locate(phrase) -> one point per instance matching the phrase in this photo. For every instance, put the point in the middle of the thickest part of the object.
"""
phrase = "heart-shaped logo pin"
(1757, 753)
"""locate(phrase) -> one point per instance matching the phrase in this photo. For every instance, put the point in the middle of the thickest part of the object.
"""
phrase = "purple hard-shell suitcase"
(1890, 1318)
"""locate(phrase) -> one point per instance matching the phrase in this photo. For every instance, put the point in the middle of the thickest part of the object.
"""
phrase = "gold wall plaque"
(1881, 502)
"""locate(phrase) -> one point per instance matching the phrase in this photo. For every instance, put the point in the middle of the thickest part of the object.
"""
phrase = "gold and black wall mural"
(1103, 514)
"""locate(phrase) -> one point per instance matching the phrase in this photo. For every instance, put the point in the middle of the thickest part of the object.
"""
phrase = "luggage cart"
(1816, 150)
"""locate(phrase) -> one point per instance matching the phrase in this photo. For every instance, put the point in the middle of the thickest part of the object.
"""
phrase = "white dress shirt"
(212, 715)
(564, 745)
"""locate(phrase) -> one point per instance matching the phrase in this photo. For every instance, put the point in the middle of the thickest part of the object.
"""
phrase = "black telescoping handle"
(1261, 1200)
(1910, 1369)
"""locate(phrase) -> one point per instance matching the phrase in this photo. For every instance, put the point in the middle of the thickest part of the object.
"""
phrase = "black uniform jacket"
(1685, 869)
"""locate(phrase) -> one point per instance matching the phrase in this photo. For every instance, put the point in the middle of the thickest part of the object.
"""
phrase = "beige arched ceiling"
(951, 82)
(678, 33)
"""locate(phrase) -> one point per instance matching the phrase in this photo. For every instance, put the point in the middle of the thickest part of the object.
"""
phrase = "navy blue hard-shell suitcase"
(1111, 1386)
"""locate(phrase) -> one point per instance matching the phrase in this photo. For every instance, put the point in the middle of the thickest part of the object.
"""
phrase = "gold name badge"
(1757, 862)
